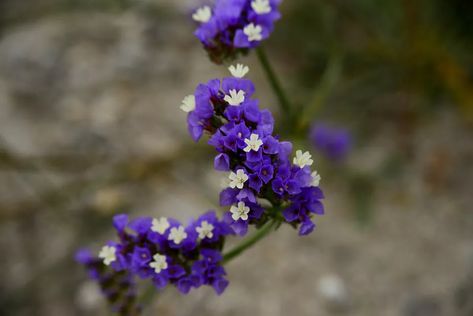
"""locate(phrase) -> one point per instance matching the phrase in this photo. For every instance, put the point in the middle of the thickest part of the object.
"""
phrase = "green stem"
(274, 81)
(250, 241)
(324, 88)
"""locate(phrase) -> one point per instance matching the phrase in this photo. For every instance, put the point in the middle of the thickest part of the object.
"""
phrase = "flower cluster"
(258, 163)
(231, 27)
(333, 142)
(117, 286)
(165, 252)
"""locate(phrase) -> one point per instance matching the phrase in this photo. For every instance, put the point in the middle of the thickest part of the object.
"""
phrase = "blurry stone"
(108, 200)
(422, 306)
(89, 296)
(333, 290)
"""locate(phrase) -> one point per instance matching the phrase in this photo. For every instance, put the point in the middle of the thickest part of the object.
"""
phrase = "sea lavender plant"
(266, 186)
(233, 27)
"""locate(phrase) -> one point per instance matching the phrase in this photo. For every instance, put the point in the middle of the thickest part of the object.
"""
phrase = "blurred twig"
(322, 91)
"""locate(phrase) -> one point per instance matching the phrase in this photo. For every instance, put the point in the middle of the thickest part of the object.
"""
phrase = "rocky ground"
(90, 125)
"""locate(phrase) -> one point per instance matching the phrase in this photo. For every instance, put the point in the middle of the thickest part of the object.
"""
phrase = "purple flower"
(231, 27)
(141, 225)
(220, 284)
(119, 222)
(162, 251)
(259, 162)
(334, 143)
(222, 162)
(141, 257)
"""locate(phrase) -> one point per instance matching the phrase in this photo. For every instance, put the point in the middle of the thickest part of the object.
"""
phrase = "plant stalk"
(250, 241)
(274, 81)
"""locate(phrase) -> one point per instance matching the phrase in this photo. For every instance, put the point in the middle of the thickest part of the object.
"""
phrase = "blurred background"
(90, 126)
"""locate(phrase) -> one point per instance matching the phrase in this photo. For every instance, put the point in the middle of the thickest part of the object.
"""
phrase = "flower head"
(259, 163)
(254, 143)
(160, 225)
(205, 230)
(231, 27)
(315, 179)
(108, 254)
(240, 211)
(238, 179)
(261, 6)
(253, 32)
(235, 97)
(333, 142)
(238, 71)
(196, 261)
(188, 104)
(177, 234)
(159, 263)
(202, 15)
(303, 159)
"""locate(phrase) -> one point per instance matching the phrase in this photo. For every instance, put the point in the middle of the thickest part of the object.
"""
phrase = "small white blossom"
(177, 235)
(240, 211)
(253, 32)
(238, 179)
(235, 98)
(108, 254)
(303, 159)
(188, 104)
(205, 230)
(238, 71)
(254, 143)
(315, 179)
(202, 15)
(261, 6)
(160, 225)
(159, 263)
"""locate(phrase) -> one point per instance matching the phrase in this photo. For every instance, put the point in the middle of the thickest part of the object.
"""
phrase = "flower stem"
(274, 81)
(250, 241)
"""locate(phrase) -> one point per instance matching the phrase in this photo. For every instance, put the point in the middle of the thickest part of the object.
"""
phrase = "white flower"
(238, 71)
(235, 98)
(240, 211)
(303, 159)
(177, 235)
(202, 15)
(205, 230)
(315, 179)
(159, 263)
(261, 6)
(254, 143)
(238, 179)
(188, 104)
(160, 225)
(253, 32)
(108, 254)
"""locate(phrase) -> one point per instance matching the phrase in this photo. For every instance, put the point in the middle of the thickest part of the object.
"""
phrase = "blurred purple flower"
(333, 142)
(232, 27)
